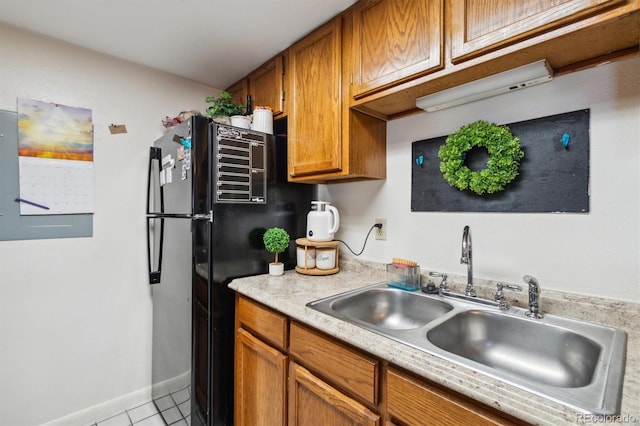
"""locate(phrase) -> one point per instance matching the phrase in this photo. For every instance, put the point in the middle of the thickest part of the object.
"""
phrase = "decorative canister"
(241, 121)
(306, 257)
(325, 257)
(262, 120)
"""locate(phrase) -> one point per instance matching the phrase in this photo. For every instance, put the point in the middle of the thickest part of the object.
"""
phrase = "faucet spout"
(534, 297)
(466, 259)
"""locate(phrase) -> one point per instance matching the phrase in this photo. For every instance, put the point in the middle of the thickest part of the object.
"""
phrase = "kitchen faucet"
(466, 259)
(534, 297)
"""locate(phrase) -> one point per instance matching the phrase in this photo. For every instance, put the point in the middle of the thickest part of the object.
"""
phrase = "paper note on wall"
(55, 148)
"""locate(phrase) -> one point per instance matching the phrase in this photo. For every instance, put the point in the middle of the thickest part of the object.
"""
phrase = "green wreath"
(502, 166)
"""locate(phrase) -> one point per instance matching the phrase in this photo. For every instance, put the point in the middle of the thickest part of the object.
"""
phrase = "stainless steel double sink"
(575, 363)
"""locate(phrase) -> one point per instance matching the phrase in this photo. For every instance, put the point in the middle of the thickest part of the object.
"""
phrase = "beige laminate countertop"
(291, 292)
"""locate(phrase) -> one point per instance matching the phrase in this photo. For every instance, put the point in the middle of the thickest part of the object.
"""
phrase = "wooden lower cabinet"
(347, 368)
(289, 374)
(314, 402)
(411, 401)
(260, 382)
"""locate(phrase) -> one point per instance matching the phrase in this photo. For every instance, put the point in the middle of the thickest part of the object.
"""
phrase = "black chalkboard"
(551, 178)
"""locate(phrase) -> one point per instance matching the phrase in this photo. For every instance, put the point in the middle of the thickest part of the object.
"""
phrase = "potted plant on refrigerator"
(223, 108)
(276, 240)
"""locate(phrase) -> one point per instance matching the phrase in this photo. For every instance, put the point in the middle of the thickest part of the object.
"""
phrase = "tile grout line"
(157, 409)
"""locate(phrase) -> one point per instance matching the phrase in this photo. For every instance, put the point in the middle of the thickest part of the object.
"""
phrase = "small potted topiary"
(276, 240)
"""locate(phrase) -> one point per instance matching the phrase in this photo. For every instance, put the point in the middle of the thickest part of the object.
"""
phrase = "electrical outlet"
(381, 233)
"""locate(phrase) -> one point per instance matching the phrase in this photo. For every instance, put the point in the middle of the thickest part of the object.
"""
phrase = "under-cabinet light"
(507, 81)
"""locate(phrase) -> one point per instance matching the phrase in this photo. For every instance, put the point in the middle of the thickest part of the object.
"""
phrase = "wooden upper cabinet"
(239, 90)
(395, 41)
(314, 108)
(266, 85)
(480, 26)
(327, 141)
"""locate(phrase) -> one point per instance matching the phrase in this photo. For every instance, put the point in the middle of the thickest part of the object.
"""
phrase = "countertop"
(291, 292)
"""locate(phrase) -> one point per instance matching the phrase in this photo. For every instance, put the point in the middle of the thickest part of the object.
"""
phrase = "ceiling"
(213, 42)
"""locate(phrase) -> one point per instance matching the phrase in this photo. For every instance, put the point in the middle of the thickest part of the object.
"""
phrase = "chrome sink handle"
(499, 297)
(444, 286)
(534, 297)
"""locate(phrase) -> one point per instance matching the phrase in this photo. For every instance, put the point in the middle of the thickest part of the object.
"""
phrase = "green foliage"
(276, 240)
(224, 106)
(505, 155)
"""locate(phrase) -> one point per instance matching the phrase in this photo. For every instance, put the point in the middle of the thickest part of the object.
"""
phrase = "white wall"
(75, 314)
(596, 253)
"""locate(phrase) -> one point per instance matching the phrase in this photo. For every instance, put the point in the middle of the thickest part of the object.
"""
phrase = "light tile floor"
(173, 409)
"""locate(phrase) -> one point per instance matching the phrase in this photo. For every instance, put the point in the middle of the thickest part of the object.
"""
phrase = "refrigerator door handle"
(155, 154)
(171, 216)
(204, 216)
(154, 275)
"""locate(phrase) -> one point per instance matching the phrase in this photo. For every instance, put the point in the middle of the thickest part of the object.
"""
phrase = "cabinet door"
(265, 85)
(313, 402)
(260, 382)
(394, 41)
(239, 91)
(479, 26)
(314, 134)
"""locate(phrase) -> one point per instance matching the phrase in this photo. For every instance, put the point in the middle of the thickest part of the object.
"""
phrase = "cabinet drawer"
(262, 321)
(347, 368)
(411, 401)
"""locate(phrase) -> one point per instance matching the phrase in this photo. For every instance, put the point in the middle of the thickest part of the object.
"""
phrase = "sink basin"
(573, 362)
(551, 355)
(390, 308)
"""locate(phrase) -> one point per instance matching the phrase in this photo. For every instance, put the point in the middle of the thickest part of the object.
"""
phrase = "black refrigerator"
(213, 190)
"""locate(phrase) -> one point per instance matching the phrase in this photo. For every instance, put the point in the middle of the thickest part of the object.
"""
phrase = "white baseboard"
(172, 385)
(106, 409)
